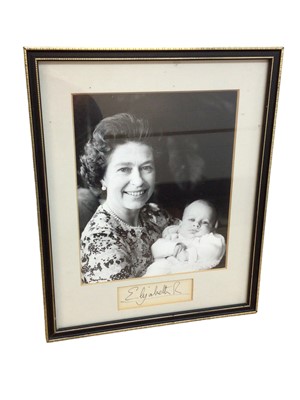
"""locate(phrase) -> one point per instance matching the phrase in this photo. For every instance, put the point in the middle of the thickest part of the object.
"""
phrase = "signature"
(139, 294)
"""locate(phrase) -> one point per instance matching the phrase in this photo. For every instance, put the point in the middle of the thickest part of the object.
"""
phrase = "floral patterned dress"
(111, 249)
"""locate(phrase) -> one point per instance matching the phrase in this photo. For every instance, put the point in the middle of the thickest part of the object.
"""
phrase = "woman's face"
(129, 177)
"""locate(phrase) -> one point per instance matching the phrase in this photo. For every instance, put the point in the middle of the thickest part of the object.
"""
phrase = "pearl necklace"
(105, 206)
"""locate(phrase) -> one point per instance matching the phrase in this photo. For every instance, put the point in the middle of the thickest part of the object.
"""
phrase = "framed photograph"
(152, 170)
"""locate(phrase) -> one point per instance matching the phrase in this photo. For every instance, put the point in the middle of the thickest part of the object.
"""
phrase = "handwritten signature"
(139, 294)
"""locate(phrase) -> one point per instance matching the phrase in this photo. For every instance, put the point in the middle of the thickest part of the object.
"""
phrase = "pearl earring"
(103, 187)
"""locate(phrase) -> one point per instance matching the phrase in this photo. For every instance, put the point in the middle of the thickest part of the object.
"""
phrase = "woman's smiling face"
(129, 177)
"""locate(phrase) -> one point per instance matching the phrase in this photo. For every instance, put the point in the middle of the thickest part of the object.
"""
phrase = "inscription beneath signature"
(155, 293)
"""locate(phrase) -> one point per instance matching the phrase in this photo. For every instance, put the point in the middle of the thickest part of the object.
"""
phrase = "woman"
(116, 242)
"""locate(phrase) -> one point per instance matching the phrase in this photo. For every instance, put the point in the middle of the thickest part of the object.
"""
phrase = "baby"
(190, 246)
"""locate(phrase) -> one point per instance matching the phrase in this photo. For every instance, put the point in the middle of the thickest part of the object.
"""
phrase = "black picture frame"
(226, 60)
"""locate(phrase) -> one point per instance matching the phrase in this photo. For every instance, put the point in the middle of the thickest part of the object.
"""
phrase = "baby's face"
(198, 219)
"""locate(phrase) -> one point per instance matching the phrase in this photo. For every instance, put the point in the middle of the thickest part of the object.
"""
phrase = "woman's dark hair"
(108, 134)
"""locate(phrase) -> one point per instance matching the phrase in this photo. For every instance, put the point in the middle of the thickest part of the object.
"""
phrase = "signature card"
(157, 293)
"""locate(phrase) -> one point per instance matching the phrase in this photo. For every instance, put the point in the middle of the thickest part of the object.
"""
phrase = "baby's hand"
(183, 256)
(179, 248)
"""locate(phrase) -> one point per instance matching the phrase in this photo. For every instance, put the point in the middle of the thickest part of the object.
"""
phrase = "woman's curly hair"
(108, 134)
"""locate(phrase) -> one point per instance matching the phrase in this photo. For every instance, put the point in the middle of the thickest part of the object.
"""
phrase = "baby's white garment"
(202, 253)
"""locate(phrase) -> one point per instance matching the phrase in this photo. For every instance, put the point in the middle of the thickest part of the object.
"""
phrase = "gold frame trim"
(266, 48)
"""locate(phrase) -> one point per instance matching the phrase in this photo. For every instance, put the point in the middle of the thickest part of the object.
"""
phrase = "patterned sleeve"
(104, 257)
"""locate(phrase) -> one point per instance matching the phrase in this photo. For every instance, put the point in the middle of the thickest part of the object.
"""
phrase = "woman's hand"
(170, 232)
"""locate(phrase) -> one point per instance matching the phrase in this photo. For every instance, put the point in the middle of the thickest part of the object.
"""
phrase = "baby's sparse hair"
(208, 204)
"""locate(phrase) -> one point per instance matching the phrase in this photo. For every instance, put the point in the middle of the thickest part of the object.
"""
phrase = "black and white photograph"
(154, 181)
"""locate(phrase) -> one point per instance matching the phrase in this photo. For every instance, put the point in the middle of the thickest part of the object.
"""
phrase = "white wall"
(233, 358)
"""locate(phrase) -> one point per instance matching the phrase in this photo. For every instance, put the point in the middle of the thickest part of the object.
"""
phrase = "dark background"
(194, 132)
